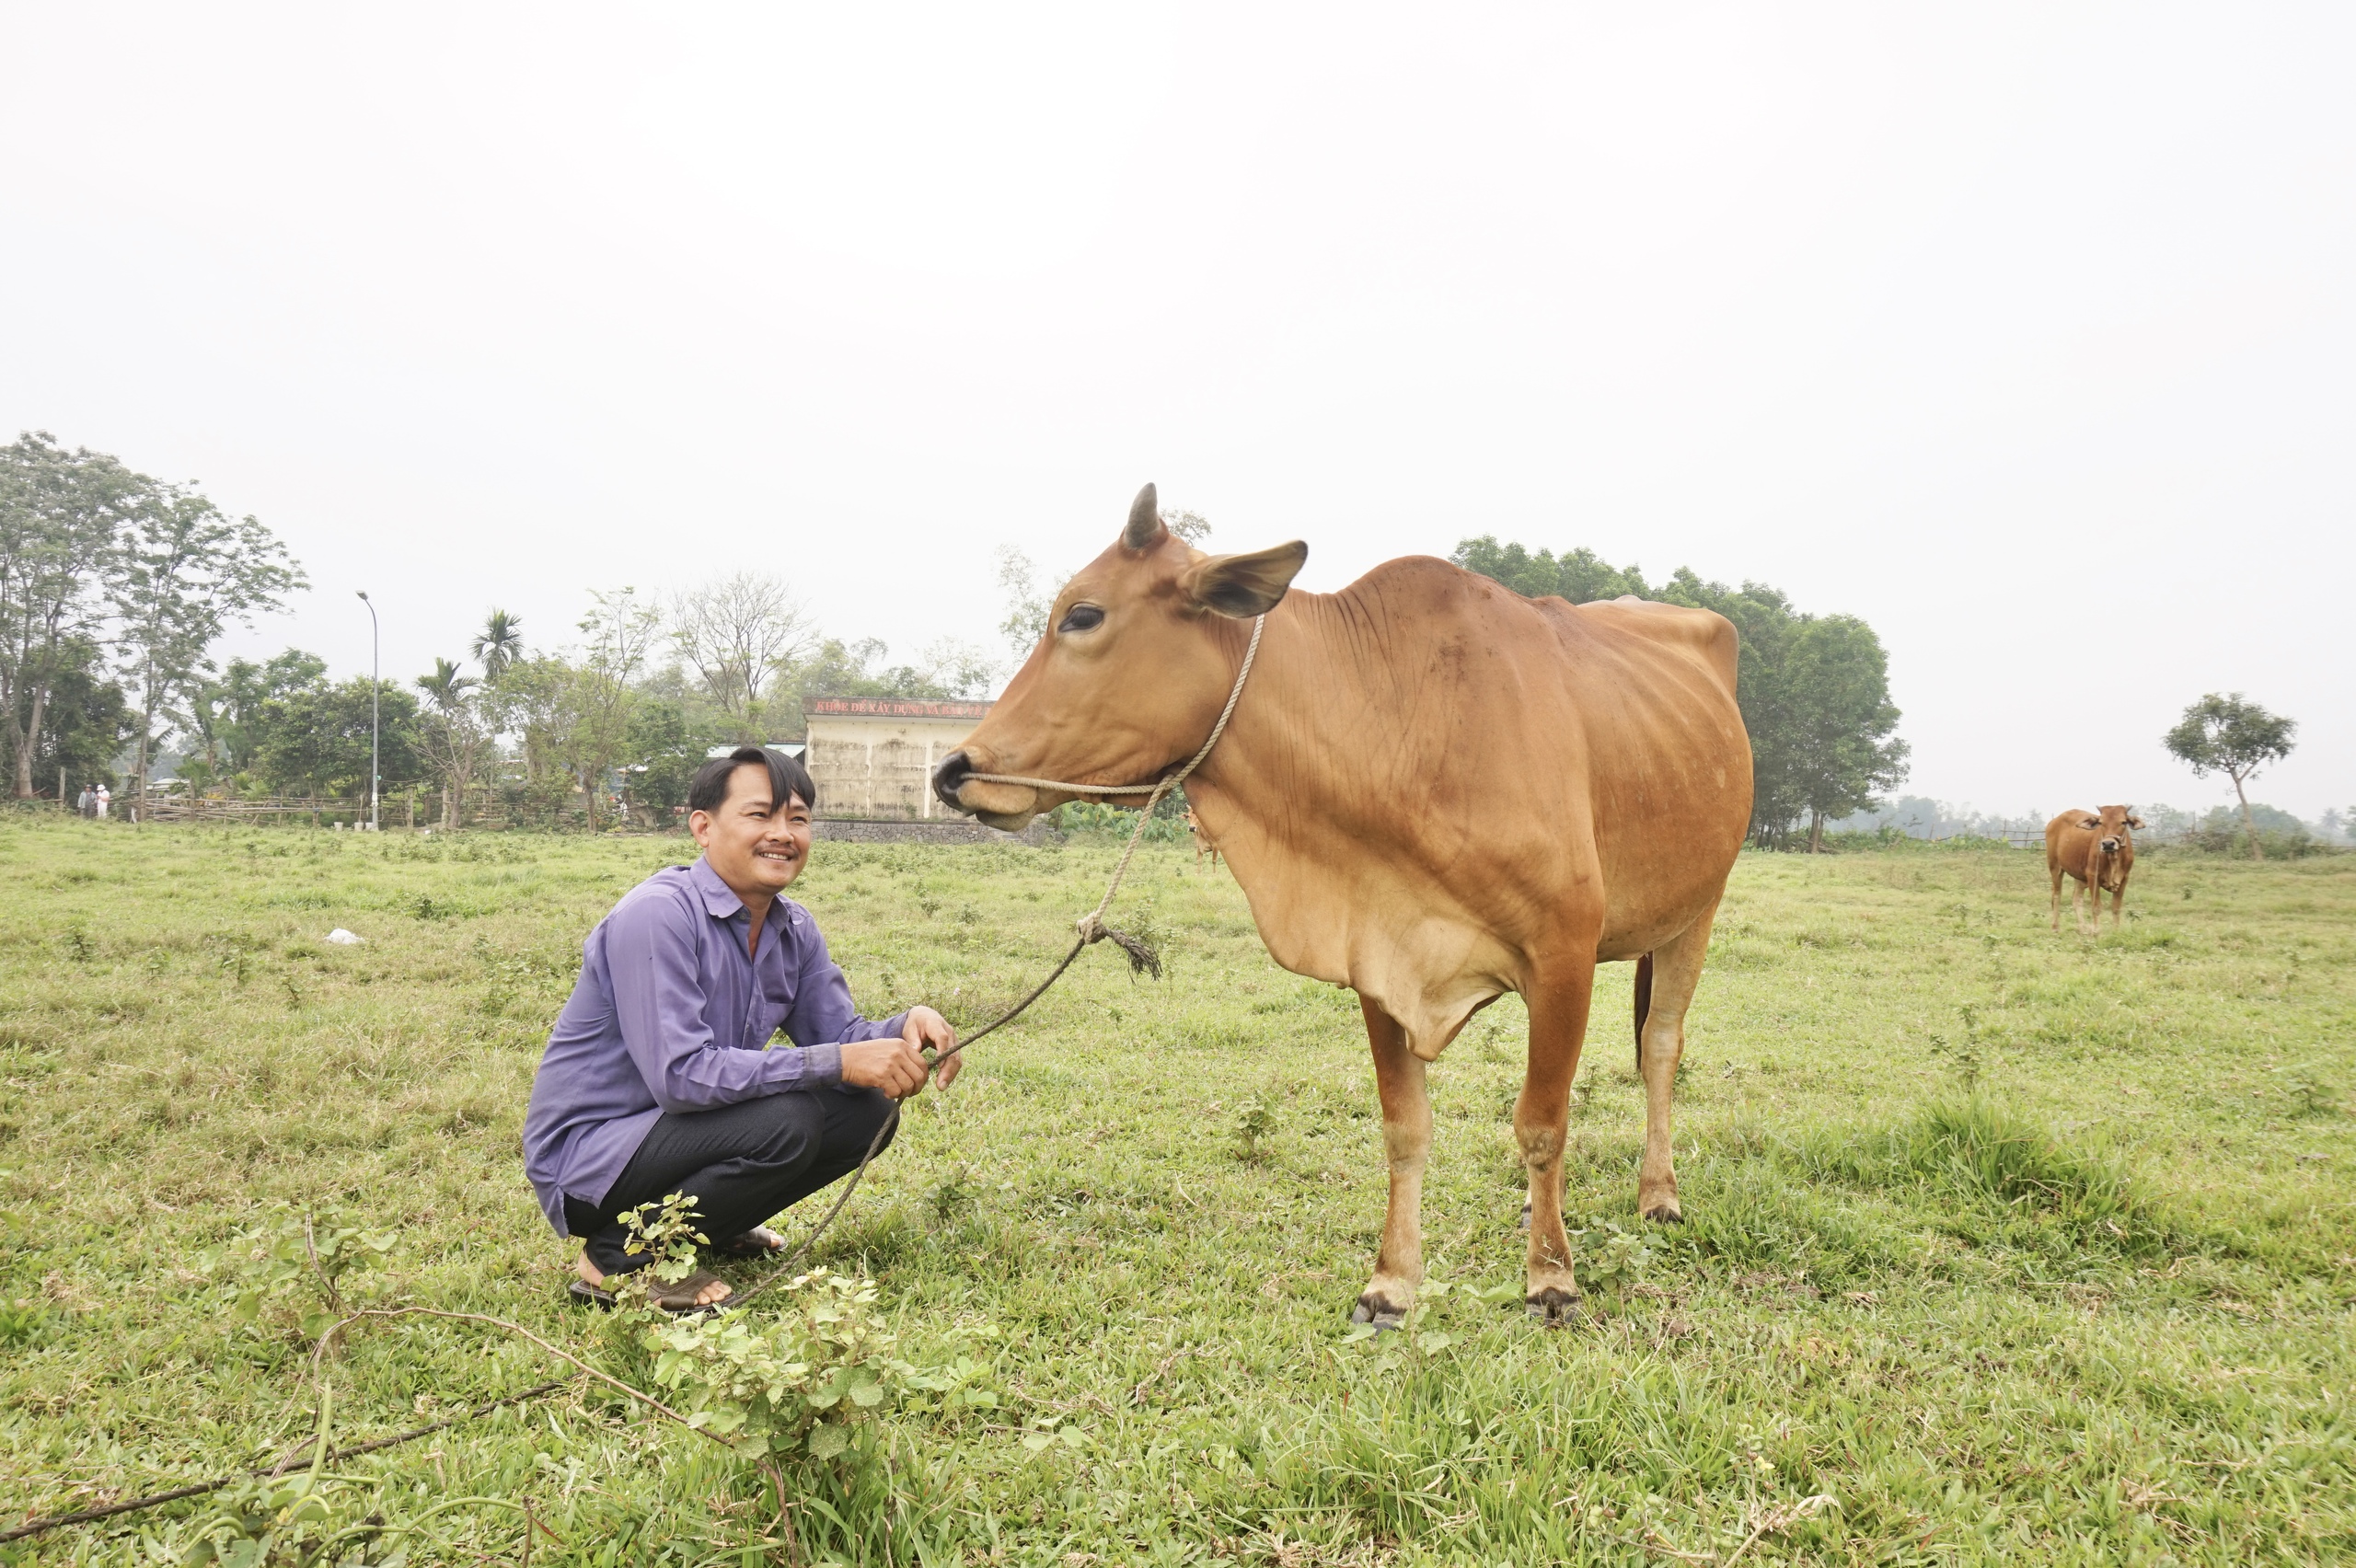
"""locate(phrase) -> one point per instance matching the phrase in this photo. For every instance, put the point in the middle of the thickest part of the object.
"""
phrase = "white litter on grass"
(342, 938)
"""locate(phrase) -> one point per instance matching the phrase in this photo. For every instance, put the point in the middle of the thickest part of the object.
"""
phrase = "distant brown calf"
(2095, 849)
(1203, 842)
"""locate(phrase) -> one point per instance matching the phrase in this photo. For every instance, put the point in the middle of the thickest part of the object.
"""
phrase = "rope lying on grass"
(1091, 928)
(158, 1500)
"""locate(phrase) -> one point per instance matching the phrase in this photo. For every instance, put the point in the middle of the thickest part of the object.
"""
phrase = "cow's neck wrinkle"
(1280, 776)
(1292, 795)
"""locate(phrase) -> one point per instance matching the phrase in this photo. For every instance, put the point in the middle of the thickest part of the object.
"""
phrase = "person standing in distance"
(659, 1076)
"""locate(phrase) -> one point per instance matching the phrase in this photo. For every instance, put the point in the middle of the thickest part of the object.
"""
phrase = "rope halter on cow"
(1091, 926)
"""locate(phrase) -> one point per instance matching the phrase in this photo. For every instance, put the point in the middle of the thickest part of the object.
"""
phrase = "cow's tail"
(1644, 1006)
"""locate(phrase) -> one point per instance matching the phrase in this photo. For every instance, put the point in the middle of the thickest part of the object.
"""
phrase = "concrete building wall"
(873, 759)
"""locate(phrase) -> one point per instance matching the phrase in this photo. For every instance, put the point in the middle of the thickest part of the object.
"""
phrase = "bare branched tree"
(735, 634)
(1027, 603)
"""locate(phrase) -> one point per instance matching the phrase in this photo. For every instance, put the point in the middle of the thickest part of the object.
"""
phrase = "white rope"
(1091, 926)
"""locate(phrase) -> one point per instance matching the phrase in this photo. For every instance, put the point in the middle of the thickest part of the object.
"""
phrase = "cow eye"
(1082, 617)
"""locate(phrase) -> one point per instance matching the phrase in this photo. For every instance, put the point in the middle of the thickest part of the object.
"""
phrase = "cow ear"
(1242, 585)
(2090, 822)
(2135, 822)
(1144, 527)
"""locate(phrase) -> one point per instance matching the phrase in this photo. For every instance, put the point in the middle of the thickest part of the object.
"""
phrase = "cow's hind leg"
(1677, 972)
(1559, 1010)
(1406, 1143)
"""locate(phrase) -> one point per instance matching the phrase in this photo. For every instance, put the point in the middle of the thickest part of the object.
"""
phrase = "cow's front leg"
(1406, 1143)
(1558, 1008)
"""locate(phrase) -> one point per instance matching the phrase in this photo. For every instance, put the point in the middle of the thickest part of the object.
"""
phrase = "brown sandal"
(679, 1298)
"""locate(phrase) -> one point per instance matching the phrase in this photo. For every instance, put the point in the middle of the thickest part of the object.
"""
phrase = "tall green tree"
(1844, 748)
(186, 571)
(61, 517)
(2232, 735)
(222, 713)
(85, 720)
(668, 745)
(314, 740)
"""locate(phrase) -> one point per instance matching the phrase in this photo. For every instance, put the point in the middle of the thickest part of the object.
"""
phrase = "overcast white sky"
(2024, 332)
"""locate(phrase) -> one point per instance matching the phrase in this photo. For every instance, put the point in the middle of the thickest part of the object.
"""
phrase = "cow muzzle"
(950, 778)
(1007, 806)
(2110, 845)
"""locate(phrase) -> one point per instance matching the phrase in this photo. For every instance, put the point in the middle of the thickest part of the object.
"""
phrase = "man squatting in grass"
(658, 1077)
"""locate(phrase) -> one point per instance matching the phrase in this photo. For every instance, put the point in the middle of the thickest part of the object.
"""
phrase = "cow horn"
(1145, 521)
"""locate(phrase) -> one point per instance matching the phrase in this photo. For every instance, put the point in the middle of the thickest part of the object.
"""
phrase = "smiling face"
(757, 849)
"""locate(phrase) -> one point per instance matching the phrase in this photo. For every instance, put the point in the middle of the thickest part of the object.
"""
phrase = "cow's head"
(2111, 824)
(1141, 652)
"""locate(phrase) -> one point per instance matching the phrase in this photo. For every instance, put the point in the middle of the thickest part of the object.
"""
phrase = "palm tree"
(500, 644)
(451, 739)
(445, 685)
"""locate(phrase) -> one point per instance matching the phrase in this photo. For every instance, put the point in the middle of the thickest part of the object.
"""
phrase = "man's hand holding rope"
(899, 1064)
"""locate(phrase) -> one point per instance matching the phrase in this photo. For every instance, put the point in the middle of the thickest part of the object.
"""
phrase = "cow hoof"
(1554, 1306)
(1384, 1316)
(1665, 1214)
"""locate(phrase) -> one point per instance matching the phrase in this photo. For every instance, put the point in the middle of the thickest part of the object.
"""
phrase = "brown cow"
(1204, 842)
(2096, 848)
(1433, 790)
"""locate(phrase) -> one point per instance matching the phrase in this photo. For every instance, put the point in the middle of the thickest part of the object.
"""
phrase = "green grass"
(2022, 1247)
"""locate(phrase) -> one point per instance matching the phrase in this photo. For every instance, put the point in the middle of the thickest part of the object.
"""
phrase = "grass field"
(2020, 1246)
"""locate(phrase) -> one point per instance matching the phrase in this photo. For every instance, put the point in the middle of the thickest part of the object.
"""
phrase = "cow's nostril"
(950, 778)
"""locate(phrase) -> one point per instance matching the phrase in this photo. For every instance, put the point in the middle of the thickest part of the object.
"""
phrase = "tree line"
(1814, 689)
(115, 586)
(610, 722)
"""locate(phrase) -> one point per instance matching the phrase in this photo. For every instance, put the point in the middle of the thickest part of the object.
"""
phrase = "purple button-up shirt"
(670, 1014)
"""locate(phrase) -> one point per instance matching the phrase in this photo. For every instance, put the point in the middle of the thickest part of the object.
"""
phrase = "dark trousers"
(742, 1164)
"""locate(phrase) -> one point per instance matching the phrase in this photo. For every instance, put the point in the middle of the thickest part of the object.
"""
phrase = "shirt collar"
(721, 900)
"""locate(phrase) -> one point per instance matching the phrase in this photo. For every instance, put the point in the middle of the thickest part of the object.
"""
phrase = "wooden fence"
(177, 807)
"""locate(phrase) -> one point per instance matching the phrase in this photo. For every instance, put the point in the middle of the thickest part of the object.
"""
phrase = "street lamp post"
(375, 691)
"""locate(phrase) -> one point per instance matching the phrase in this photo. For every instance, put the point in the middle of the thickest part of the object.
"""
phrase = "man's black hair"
(708, 791)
